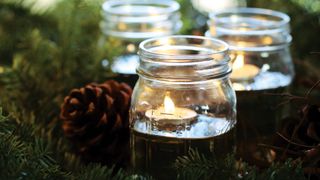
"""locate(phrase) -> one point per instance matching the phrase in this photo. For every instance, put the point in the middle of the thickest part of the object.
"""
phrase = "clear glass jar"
(183, 99)
(259, 42)
(132, 21)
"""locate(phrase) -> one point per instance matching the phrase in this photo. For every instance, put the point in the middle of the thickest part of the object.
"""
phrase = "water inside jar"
(154, 149)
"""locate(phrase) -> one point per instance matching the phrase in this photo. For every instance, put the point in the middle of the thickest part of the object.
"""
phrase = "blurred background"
(16, 24)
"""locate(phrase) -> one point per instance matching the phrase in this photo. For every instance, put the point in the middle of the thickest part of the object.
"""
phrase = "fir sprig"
(197, 166)
(46, 68)
(24, 159)
(23, 155)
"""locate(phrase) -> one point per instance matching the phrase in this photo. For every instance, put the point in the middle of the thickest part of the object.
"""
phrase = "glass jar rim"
(268, 48)
(222, 21)
(183, 58)
(144, 51)
(284, 18)
(170, 6)
(282, 25)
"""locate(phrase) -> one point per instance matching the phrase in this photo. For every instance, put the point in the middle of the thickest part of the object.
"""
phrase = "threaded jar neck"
(140, 19)
(251, 29)
(183, 58)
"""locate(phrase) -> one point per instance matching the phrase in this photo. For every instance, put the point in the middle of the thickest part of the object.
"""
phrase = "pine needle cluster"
(195, 166)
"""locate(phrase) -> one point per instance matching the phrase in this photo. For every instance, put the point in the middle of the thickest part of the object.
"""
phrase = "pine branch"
(309, 5)
(33, 90)
(24, 155)
(102, 172)
(197, 166)
(24, 159)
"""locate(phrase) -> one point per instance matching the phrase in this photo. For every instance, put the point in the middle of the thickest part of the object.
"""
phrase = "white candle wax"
(179, 114)
(171, 114)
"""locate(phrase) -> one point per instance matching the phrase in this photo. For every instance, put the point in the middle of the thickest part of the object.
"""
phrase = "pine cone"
(95, 118)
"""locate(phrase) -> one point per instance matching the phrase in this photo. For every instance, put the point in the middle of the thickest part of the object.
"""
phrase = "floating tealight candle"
(169, 114)
(242, 71)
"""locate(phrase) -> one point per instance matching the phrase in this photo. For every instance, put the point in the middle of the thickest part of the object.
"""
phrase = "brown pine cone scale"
(95, 118)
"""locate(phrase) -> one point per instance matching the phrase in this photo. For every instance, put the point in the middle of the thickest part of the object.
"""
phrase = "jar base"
(155, 155)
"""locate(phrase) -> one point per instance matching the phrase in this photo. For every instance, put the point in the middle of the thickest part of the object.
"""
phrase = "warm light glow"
(267, 40)
(168, 105)
(213, 5)
(234, 18)
(131, 48)
(239, 62)
(165, 41)
(122, 26)
(242, 71)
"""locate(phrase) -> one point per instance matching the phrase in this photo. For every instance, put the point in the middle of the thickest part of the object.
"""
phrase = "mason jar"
(183, 100)
(259, 42)
(128, 22)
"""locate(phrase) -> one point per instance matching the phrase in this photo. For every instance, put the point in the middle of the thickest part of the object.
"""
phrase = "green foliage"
(15, 23)
(196, 166)
(187, 17)
(48, 54)
(53, 62)
(312, 6)
(21, 157)
(279, 171)
(305, 23)
(24, 155)
(48, 61)
(100, 172)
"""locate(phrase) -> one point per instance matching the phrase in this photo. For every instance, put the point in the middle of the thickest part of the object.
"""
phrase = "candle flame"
(168, 105)
(239, 62)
